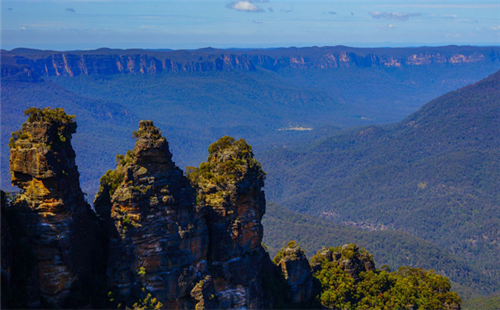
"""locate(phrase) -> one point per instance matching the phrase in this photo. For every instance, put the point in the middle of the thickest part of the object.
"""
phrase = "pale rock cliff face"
(157, 236)
(52, 205)
(74, 64)
(105, 61)
(297, 272)
(230, 188)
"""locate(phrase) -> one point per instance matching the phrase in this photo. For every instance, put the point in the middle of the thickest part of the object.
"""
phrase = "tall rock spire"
(52, 205)
(230, 188)
(158, 238)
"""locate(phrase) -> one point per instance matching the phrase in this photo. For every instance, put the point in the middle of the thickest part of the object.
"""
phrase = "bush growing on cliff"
(112, 179)
(227, 162)
(48, 115)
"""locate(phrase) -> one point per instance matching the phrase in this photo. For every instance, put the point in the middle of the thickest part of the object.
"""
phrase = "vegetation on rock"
(57, 117)
(407, 288)
(228, 162)
(112, 179)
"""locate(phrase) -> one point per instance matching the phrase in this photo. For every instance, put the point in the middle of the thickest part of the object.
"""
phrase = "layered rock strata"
(51, 205)
(104, 61)
(157, 236)
(230, 189)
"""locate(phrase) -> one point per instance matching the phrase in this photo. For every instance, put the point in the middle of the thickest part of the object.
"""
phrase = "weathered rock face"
(52, 205)
(297, 272)
(230, 189)
(6, 254)
(204, 294)
(157, 237)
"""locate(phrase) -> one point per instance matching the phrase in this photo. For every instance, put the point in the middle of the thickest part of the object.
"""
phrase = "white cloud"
(245, 6)
(393, 15)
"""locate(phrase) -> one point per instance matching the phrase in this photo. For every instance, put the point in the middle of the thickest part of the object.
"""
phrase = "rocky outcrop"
(157, 235)
(350, 257)
(51, 206)
(230, 189)
(297, 272)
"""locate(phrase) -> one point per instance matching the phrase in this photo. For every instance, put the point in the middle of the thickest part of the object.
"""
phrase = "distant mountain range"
(136, 61)
(198, 96)
(434, 175)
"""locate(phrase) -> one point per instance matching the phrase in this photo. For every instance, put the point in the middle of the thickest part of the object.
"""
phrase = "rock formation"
(230, 189)
(350, 257)
(52, 207)
(157, 236)
(297, 272)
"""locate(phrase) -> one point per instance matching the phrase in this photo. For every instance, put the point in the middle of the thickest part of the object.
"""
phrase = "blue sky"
(189, 24)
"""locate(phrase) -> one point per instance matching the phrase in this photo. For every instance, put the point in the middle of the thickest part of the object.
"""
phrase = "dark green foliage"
(112, 179)
(227, 162)
(408, 288)
(14, 137)
(56, 115)
(147, 130)
(432, 175)
(283, 254)
(392, 248)
(491, 302)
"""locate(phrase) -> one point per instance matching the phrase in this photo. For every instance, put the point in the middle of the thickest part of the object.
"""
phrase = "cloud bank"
(393, 15)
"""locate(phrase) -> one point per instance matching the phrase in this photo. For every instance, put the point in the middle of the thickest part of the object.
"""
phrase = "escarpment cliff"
(106, 61)
(157, 236)
(64, 234)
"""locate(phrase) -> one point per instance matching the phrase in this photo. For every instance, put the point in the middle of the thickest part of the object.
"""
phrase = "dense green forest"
(393, 248)
(407, 288)
(345, 277)
(432, 175)
(483, 303)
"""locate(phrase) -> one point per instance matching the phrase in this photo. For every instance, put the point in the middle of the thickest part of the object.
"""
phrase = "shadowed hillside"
(433, 175)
